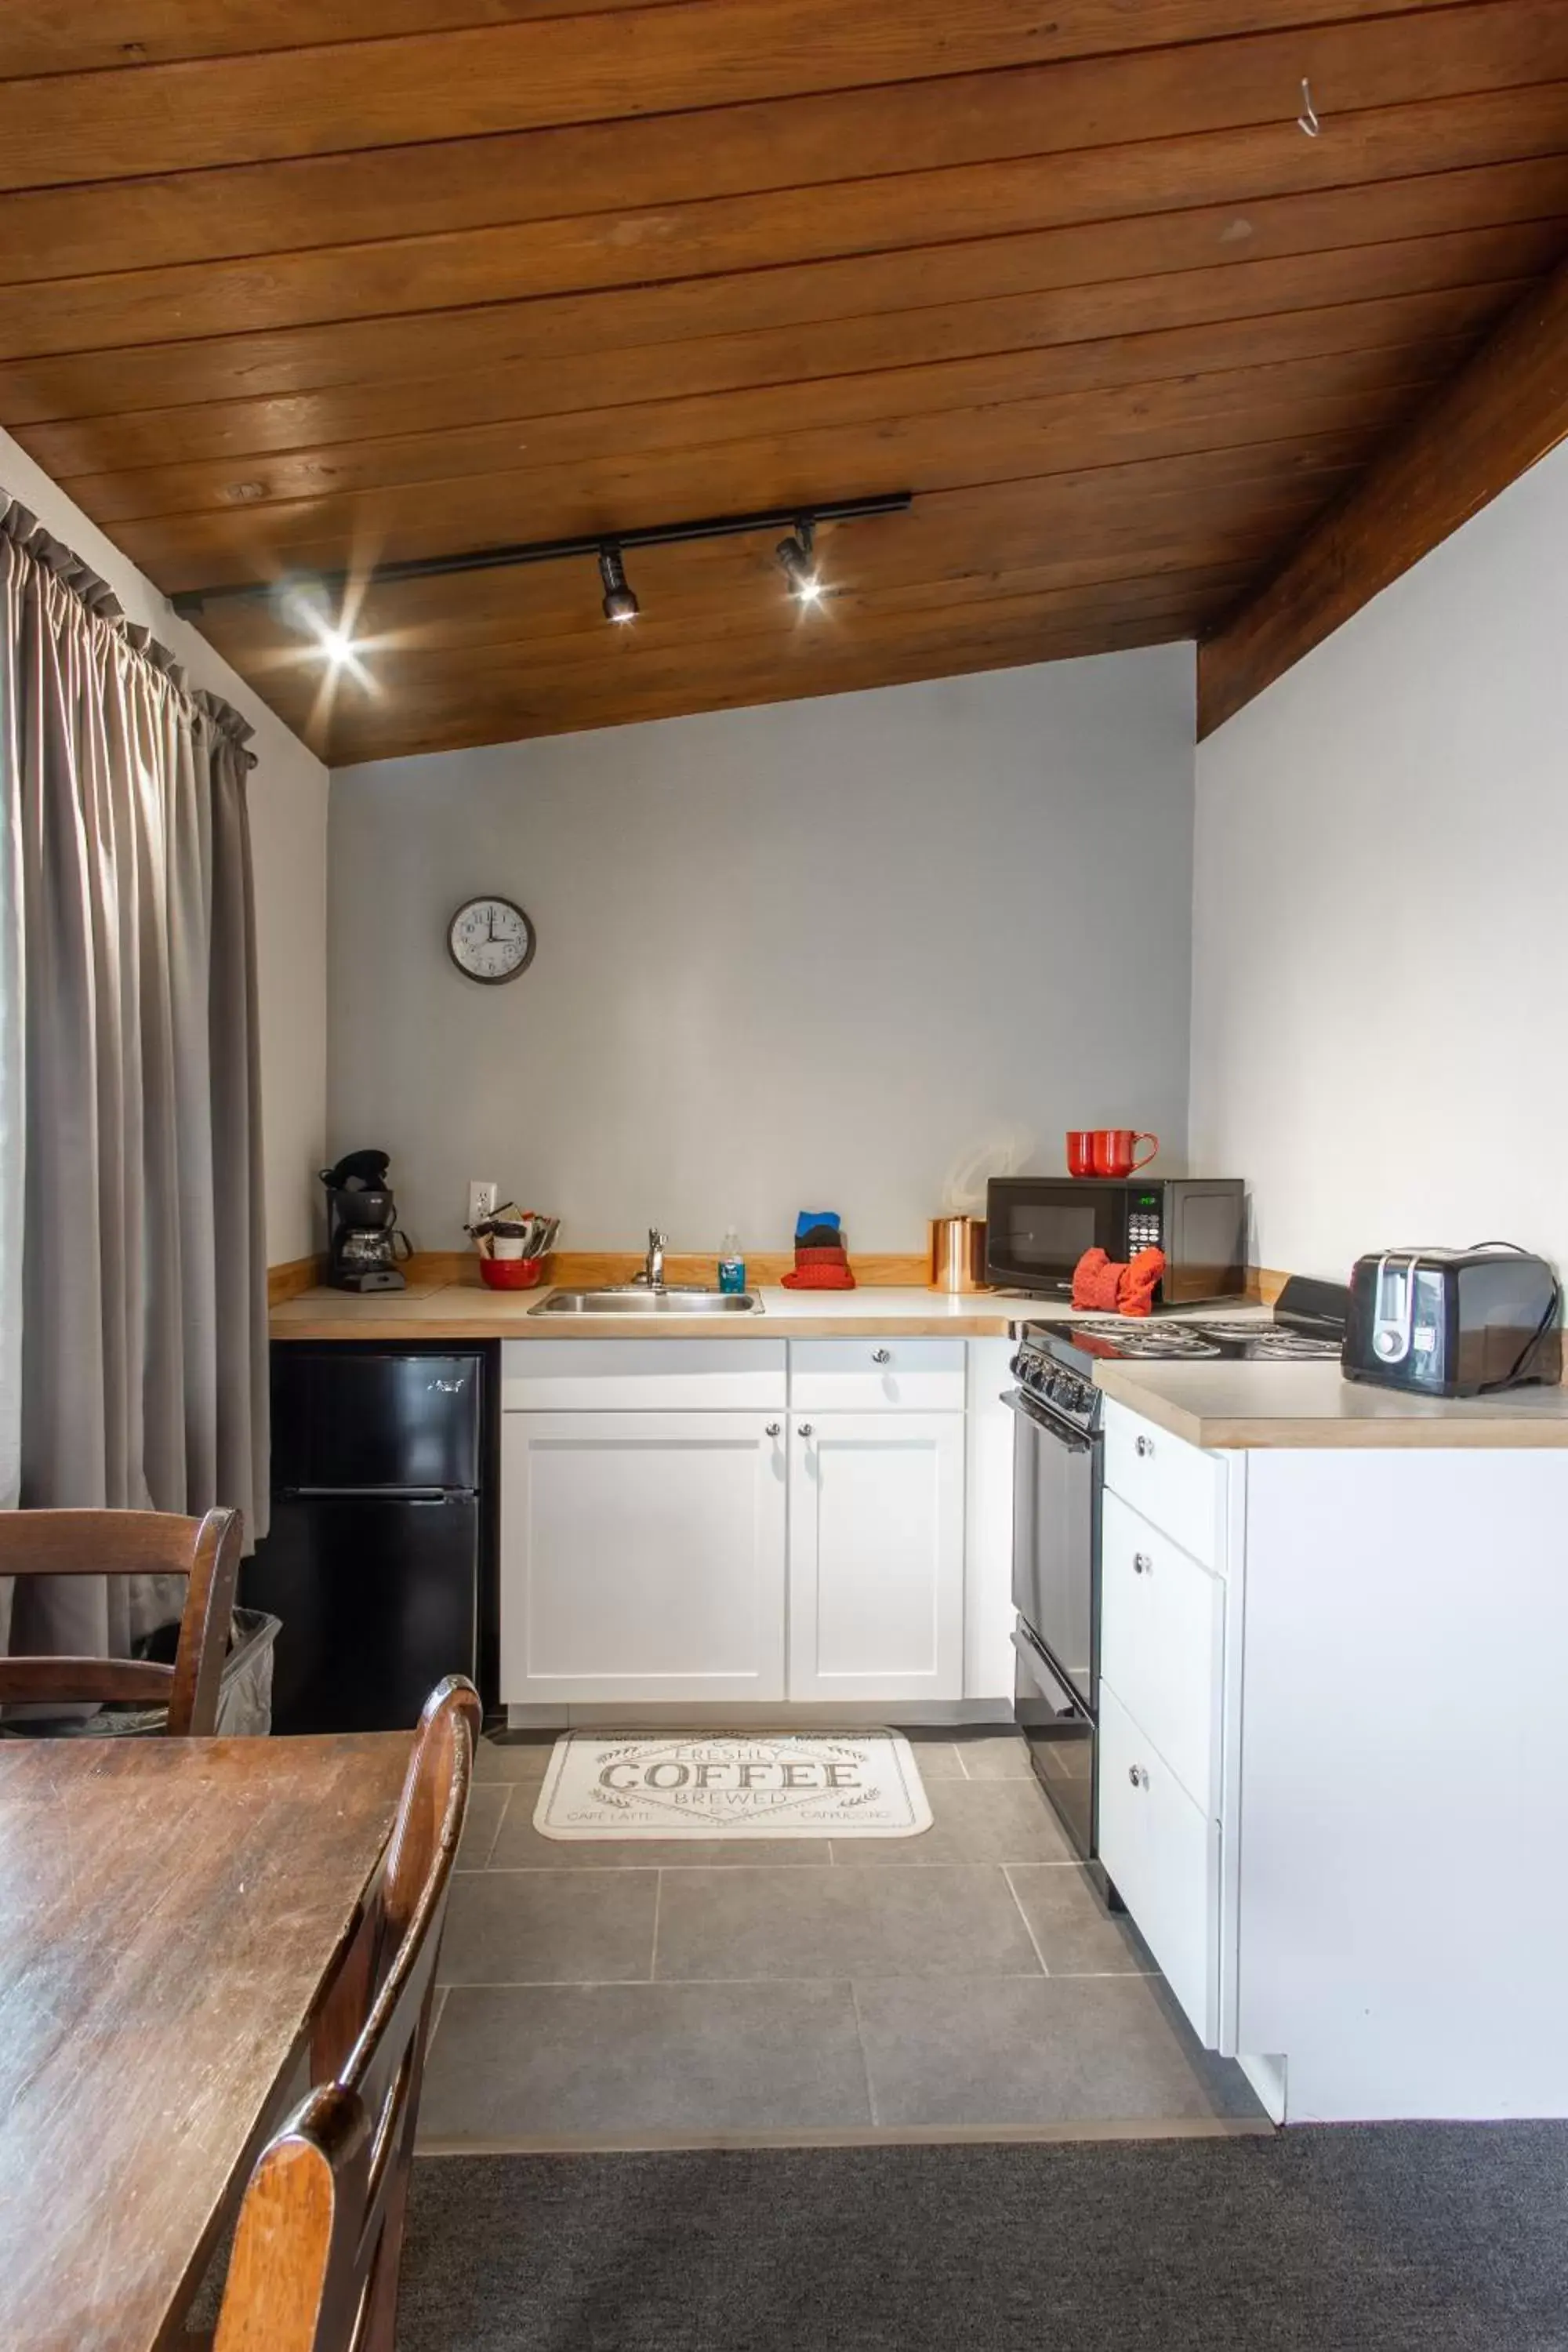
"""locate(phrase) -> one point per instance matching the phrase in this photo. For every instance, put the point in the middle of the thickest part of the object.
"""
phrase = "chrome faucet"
(652, 1273)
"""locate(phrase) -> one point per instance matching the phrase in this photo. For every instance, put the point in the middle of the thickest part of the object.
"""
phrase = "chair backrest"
(320, 2238)
(130, 1543)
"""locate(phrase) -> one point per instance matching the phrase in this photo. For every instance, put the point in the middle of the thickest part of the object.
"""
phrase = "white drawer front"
(1173, 1485)
(875, 1375)
(1162, 1855)
(642, 1375)
(1160, 1635)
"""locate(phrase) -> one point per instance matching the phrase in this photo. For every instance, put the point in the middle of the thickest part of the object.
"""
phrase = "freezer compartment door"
(378, 1600)
(343, 1419)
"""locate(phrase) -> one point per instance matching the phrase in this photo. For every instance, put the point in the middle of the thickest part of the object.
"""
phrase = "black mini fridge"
(376, 1554)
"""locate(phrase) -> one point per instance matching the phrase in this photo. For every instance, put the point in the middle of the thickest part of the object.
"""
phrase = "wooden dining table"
(171, 1914)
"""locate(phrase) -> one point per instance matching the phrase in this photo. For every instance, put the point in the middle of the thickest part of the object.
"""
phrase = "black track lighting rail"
(555, 551)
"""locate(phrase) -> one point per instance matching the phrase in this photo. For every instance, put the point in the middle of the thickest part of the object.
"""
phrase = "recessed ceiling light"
(620, 604)
(338, 646)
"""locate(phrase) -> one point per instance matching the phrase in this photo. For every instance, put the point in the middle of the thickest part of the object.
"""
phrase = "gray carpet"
(1390, 2238)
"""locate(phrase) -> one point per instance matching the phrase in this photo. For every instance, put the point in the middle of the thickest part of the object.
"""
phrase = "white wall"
(793, 957)
(288, 798)
(1380, 987)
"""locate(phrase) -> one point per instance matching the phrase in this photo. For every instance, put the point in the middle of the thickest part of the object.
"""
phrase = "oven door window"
(1053, 1544)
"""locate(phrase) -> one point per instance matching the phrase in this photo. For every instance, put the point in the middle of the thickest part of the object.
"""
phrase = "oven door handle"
(1063, 1431)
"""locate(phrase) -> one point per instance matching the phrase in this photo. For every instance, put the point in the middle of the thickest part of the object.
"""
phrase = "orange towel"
(1098, 1282)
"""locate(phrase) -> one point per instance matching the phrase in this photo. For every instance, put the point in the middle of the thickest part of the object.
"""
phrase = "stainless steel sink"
(636, 1298)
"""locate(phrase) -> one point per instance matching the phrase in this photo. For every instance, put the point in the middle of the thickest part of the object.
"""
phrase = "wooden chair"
(319, 2237)
(130, 1543)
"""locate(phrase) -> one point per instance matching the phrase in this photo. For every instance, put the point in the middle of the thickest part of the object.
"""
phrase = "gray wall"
(800, 956)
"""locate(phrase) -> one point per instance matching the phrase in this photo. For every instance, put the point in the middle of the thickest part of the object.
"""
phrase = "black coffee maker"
(363, 1236)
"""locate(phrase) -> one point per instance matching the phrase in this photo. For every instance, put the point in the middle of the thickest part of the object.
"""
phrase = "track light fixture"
(794, 553)
(620, 604)
(796, 561)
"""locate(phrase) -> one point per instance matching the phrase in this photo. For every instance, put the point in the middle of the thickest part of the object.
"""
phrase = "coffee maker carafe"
(363, 1236)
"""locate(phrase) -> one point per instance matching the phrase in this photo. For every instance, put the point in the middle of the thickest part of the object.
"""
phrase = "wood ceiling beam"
(451, 186)
(1506, 410)
(230, 435)
(518, 76)
(707, 237)
(293, 363)
(576, 437)
(1069, 433)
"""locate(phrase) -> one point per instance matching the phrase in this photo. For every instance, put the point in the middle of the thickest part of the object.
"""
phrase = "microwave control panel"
(1143, 1223)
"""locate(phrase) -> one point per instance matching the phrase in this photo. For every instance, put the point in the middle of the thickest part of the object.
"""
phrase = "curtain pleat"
(132, 1255)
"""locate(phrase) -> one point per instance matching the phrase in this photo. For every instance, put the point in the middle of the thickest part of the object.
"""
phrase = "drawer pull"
(1137, 1775)
(806, 1429)
(774, 1429)
(1144, 1447)
(881, 1355)
(1142, 1564)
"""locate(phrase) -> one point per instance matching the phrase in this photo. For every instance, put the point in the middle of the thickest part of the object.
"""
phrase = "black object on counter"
(1454, 1323)
(380, 1532)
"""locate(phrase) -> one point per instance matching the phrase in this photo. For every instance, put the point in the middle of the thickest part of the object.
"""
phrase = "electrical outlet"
(481, 1199)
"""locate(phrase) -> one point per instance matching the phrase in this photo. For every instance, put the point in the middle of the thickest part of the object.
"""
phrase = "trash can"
(245, 1691)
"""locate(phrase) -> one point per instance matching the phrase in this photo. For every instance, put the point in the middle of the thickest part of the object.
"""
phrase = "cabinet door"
(1162, 1855)
(642, 1556)
(876, 1582)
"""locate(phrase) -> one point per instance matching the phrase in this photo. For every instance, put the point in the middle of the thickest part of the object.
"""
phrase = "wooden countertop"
(461, 1310)
(1221, 1406)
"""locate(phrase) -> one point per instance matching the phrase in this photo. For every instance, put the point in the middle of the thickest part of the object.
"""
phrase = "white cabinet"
(642, 1556)
(1162, 1644)
(875, 1556)
(1173, 1485)
(1163, 1852)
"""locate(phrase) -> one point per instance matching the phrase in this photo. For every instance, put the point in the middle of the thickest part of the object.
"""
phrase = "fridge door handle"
(366, 1493)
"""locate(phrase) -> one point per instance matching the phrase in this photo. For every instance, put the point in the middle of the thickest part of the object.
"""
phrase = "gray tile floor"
(963, 1982)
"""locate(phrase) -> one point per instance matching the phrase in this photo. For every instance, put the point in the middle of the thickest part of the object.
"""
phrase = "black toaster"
(1454, 1323)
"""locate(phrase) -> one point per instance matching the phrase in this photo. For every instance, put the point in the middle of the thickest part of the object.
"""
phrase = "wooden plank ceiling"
(488, 270)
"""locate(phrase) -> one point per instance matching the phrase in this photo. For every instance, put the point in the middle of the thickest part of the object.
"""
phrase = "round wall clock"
(490, 940)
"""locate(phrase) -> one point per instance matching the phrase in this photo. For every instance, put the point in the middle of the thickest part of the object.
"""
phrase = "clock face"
(490, 940)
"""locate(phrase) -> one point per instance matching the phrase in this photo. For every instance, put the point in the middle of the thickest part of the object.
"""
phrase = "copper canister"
(957, 1253)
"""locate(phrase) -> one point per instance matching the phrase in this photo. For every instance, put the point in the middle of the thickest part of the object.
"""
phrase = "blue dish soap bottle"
(731, 1265)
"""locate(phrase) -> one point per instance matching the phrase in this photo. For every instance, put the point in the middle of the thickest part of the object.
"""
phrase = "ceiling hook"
(1307, 120)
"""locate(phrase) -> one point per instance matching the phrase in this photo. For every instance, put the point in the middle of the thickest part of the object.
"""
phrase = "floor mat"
(1379, 2238)
(785, 1785)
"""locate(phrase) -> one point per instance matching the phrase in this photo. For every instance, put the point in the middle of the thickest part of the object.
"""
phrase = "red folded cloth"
(1110, 1288)
(818, 1267)
(819, 1277)
(1094, 1282)
(1140, 1281)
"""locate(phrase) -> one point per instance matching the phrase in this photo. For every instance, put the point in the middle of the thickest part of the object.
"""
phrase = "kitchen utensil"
(1081, 1150)
(957, 1253)
(1116, 1150)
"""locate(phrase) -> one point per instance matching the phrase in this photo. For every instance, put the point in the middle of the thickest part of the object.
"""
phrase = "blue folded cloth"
(810, 1220)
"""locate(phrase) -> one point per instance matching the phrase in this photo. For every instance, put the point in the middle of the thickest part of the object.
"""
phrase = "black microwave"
(1037, 1228)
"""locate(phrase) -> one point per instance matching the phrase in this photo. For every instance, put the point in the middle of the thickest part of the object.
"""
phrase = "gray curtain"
(132, 1255)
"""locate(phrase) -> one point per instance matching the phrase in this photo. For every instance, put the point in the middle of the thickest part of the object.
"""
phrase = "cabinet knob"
(1145, 1447)
(774, 1429)
(881, 1355)
(1142, 1564)
(806, 1429)
(1137, 1775)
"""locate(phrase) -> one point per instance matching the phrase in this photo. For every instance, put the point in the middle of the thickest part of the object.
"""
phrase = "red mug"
(1116, 1150)
(1081, 1151)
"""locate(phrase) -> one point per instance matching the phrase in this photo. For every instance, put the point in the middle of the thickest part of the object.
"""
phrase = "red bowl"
(512, 1273)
